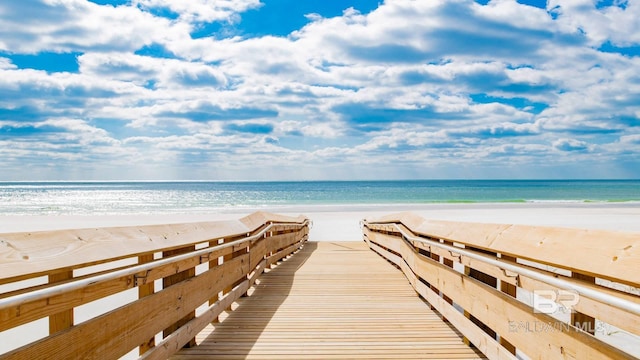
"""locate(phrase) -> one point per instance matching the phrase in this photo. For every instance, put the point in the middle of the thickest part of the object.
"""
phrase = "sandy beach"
(341, 223)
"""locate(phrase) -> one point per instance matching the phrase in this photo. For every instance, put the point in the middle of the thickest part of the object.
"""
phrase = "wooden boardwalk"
(331, 301)
(328, 300)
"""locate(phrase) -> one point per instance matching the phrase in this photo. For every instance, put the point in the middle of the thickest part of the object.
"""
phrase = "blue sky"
(304, 90)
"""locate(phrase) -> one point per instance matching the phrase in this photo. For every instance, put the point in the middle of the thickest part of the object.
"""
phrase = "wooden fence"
(177, 269)
(535, 291)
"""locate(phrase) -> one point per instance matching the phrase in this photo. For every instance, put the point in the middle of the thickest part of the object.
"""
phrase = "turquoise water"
(180, 197)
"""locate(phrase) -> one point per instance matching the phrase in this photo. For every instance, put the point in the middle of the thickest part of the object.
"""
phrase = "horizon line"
(315, 180)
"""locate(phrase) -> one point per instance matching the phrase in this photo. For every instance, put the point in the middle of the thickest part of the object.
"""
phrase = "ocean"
(101, 198)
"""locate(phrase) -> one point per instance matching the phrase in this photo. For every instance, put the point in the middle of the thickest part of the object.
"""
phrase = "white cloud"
(428, 82)
(630, 139)
(142, 69)
(617, 24)
(570, 145)
(6, 64)
(202, 10)
(78, 25)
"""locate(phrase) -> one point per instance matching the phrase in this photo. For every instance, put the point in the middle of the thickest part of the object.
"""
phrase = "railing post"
(64, 319)
(174, 279)
(436, 258)
(212, 264)
(449, 263)
(578, 319)
(270, 248)
(484, 278)
(146, 290)
(225, 259)
(247, 250)
(510, 290)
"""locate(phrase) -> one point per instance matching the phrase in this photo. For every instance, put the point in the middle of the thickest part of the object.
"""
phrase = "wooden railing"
(546, 293)
(186, 275)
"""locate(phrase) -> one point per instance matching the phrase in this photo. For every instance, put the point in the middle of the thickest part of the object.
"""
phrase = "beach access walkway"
(330, 301)
(257, 288)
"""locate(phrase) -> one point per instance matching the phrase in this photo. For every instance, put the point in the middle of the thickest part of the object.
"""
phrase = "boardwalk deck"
(331, 300)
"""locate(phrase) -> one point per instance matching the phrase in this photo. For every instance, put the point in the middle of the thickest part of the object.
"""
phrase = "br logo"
(554, 301)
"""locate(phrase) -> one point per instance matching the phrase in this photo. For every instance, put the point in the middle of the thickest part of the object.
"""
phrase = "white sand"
(341, 223)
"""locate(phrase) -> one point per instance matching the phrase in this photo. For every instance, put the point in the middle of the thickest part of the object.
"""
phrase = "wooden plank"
(511, 290)
(500, 311)
(554, 246)
(282, 253)
(143, 291)
(485, 279)
(226, 259)
(468, 262)
(281, 241)
(31, 254)
(581, 320)
(214, 261)
(259, 218)
(30, 311)
(257, 252)
(618, 317)
(119, 331)
(26, 312)
(174, 342)
(63, 319)
(330, 300)
(474, 335)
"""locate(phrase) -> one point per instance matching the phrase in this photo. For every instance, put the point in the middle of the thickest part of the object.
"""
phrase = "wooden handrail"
(199, 264)
(606, 254)
(505, 294)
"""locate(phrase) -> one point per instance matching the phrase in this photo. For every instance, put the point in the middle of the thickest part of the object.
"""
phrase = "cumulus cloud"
(78, 25)
(411, 82)
(570, 145)
(200, 10)
(6, 64)
(616, 23)
(160, 71)
(630, 139)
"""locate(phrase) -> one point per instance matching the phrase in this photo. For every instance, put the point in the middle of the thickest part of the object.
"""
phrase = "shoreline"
(341, 222)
